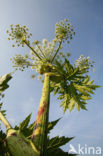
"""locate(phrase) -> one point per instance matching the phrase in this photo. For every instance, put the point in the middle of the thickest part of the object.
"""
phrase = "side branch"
(32, 50)
(56, 51)
(41, 51)
(4, 121)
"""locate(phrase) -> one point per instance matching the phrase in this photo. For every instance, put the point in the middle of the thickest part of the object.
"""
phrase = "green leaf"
(86, 80)
(84, 88)
(24, 123)
(73, 75)
(60, 68)
(61, 97)
(53, 145)
(59, 152)
(31, 126)
(64, 104)
(3, 149)
(81, 90)
(56, 142)
(71, 104)
(83, 107)
(68, 66)
(77, 106)
(52, 124)
(4, 82)
(2, 135)
(25, 128)
(2, 111)
(75, 87)
(90, 82)
(84, 97)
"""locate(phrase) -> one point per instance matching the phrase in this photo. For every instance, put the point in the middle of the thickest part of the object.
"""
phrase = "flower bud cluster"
(84, 62)
(20, 62)
(19, 34)
(64, 30)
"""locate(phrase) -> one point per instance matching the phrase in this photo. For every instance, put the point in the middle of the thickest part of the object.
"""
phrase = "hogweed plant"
(70, 82)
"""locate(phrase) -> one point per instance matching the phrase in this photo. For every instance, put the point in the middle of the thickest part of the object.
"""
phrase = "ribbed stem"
(39, 136)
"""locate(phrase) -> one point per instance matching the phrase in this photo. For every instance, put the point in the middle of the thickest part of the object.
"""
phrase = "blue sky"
(23, 96)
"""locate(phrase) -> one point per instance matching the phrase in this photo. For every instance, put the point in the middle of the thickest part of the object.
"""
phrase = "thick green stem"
(4, 121)
(39, 136)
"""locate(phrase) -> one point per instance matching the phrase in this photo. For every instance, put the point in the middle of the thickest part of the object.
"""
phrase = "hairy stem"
(39, 136)
(4, 121)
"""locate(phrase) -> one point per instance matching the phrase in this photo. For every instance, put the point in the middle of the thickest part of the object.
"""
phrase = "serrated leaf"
(64, 104)
(77, 106)
(71, 104)
(75, 86)
(61, 97)
(56, 142)
(68, 66)
(86, 80)
(83, 107)
(24, 123)
(56, 90)
(93, 86)
(52, 124)
(31, 126)
(2, 111)
(72, 76)
(59, 67)
(4, 82)
(59, 152)
(85, 97)
(90, 82)
(83, 89)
